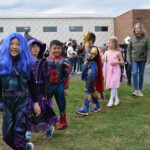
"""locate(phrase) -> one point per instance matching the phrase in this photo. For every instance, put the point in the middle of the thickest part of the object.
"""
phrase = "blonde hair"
(143, 31)
(114, 40)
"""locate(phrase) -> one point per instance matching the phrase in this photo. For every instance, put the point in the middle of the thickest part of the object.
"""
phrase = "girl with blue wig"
(16, 85)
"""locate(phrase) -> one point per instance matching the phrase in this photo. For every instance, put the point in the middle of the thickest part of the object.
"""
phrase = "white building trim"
(62, 22)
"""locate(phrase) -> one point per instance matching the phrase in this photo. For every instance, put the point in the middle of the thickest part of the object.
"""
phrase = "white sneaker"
(140, 94)
(31, 146)
(116, 102)
(110, 103)
(135, 94)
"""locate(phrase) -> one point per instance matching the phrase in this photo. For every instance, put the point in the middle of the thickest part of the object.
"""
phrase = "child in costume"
(59, 78)
(16, 85)
(113, 58)
(92, 75)
(48, 119)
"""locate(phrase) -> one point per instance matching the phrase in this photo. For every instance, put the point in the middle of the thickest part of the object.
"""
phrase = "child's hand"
(129, 62)
(66, 92)
(45, 98)
(37, 109)
(114, 63)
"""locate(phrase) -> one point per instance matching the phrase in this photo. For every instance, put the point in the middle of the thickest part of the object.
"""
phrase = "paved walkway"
(146, 76)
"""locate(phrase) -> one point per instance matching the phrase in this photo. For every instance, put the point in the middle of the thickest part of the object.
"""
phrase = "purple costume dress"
(41, 76)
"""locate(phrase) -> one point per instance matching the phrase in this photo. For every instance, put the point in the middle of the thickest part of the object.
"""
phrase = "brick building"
(124, 23)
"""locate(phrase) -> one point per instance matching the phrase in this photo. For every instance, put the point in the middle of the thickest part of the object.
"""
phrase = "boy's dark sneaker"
(50, 132)
(128, 83)
(96, 108)
(83, 111)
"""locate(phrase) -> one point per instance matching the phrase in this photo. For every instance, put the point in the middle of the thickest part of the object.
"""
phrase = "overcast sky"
(102, 7)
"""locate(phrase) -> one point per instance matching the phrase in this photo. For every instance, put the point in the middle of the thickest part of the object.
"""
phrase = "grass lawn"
(123, 127)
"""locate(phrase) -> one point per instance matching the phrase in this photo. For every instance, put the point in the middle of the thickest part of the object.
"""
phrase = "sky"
(88, 7)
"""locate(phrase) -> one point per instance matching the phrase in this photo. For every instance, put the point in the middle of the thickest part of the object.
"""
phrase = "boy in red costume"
(59, 78)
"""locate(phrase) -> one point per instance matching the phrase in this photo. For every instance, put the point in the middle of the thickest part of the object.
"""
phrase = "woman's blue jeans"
(138, 68)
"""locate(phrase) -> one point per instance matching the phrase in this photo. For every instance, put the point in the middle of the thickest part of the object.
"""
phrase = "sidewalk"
(146, 76)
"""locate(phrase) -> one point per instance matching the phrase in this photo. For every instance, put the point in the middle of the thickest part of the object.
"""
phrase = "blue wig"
(25, 61)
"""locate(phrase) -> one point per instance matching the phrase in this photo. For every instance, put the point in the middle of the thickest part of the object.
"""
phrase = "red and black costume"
(59, 79)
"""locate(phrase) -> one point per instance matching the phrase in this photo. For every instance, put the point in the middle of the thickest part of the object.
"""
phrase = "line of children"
(16, 84)
(113, 59)
(48, 119)
(52, 79)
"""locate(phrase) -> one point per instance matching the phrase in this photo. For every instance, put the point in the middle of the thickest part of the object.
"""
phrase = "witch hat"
(31, 40)
(27, 36)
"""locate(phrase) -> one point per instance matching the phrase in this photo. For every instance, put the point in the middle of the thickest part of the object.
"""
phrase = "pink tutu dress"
(113, 73)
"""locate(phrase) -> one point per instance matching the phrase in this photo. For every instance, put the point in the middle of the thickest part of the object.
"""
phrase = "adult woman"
(138, 52)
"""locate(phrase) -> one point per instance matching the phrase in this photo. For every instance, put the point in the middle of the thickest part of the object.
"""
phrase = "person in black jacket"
(127, 65)
(16, 85)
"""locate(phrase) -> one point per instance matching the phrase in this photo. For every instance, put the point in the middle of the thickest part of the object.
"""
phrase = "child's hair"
(25, 61)
(35, 43)
(114, 40)
(55, 42)
(92, 37)
(40, 54)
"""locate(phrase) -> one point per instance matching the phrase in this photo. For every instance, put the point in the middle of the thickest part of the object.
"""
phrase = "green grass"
(125, 127)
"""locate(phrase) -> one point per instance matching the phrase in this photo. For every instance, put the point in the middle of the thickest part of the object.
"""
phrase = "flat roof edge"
(55, 16)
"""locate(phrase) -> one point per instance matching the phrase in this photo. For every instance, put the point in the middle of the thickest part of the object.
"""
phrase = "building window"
(22, 29)
(50, 29)
(76, 29)
(1, 29)
(101, 28)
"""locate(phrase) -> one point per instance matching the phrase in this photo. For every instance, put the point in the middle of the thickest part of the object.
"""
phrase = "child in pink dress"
(113, 59)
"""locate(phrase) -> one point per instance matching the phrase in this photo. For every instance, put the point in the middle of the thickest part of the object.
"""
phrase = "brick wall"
(123, 26)
(142, 16)
(124, 23)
